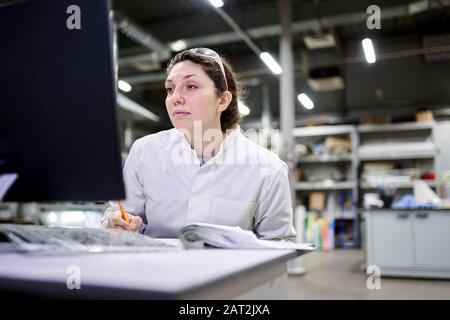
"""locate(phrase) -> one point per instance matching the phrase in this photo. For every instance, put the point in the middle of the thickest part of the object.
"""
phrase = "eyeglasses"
(211, 54)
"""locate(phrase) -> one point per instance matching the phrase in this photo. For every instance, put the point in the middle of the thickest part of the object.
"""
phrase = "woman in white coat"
(204, 169)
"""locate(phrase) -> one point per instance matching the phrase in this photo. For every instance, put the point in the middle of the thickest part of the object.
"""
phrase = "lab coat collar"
(175, 136)
(229, 145)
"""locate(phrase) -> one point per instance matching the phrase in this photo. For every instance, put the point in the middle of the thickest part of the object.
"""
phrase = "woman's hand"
(117, 222)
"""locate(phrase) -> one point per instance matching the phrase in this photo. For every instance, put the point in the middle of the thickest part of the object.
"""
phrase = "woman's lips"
(181, 113)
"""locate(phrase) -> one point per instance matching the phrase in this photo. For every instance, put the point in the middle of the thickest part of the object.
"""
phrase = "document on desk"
(33, 239)
(199, 235)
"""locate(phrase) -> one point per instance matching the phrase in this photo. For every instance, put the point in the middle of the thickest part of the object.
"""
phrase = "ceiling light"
(368, 50)
(305, 101)
(124, 86)
(271, 63)
(243, 109)
(319, 41)
(178, 45)
(216, 3)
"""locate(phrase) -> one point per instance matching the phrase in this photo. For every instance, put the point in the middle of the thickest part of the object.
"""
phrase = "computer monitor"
(58, 114)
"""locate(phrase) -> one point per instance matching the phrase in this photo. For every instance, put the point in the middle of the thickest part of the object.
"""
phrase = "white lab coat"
(243, 185)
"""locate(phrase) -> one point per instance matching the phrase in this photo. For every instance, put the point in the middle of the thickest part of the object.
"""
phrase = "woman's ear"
(224, 101)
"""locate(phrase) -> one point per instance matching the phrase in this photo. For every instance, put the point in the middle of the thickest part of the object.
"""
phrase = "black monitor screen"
(58, 115)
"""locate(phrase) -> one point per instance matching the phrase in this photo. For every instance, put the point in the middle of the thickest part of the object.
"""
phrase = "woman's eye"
(191, 86)
(169, 90)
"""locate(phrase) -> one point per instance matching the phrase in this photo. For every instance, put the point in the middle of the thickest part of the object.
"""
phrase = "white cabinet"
(393, 234)
(409, 243)
(432, 239)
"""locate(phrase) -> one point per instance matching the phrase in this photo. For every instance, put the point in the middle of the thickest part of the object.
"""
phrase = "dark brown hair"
(230, 116)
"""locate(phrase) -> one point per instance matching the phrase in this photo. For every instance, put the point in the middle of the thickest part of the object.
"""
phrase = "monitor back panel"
(58, 102)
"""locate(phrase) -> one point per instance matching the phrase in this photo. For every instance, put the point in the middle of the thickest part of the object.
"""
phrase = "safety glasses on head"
(211, 54)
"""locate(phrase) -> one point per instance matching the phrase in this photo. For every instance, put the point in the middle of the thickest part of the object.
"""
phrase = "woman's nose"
(177, 98)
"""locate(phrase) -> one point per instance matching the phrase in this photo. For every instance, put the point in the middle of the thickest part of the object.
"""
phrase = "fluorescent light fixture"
(418, 6)
(216, 3)
(124, 86)
(368, 50)
(243, 109)
(178, 45)
(305, 101)
(270, 62)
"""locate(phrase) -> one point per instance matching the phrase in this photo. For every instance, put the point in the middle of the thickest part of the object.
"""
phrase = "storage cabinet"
(432, 239)
(393, 235)
(409, 243)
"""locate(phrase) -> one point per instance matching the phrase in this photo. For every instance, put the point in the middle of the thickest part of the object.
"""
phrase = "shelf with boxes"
(392, 157)
(359, 162)
(326, 185)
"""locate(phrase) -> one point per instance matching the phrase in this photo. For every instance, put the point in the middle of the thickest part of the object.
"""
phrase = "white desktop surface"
(146, 275)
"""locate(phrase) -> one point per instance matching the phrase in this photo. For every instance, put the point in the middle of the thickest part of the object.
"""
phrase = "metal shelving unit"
(326, 158)
(412, 134)
(346, 162)
(409, 185)
(395, 127)
(322, 131)
(436, 155)
(325, 185)
(388, 156)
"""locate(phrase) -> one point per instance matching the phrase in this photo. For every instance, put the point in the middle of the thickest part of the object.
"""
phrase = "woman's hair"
(230, 116)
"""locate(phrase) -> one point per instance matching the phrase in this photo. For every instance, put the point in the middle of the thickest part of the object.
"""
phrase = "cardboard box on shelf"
(424, 116)
(299, 175)
(317, 201)
(337, 144)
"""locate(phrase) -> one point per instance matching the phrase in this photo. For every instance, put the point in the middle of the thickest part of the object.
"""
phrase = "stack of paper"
(198, 235)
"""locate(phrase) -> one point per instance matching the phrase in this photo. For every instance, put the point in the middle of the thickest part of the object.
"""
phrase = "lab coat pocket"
(232, 213)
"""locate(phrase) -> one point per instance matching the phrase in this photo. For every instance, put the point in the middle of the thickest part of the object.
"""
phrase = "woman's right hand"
(117, 222)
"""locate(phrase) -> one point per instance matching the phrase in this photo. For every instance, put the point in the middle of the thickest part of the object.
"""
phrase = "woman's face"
(191, 96)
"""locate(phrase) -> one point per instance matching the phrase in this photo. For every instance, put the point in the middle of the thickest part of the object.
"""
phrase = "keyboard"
(31, 238)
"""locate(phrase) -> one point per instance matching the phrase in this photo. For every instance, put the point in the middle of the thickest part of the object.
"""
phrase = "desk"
(190, 274)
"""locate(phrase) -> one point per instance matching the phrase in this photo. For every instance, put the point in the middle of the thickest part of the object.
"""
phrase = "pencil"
(124, 214)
